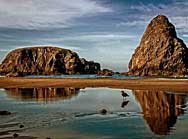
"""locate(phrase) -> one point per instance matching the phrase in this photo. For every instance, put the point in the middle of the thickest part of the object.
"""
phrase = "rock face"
(161, 52)
(90, 67)
(105, 72)
(46, 61)
(160, 109)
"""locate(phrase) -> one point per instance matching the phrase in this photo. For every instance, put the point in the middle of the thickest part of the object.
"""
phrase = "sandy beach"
(136, 84)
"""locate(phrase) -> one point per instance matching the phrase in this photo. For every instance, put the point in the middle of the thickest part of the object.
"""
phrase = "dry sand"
(136, 84)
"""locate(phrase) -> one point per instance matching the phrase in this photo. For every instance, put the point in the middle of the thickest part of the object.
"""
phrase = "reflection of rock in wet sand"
(159, 109)
(43, 94)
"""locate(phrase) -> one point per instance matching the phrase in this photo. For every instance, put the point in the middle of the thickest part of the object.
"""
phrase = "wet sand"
(175, 85)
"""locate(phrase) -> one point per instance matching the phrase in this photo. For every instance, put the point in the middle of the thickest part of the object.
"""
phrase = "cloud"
(100, 37)
(185, 35)
(91, 37)
(37, 14)
(181, 23)
(4, 50)
(132, 24)
(176, 11)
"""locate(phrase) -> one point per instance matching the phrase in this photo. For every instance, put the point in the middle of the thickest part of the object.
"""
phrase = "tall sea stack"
(161, 52)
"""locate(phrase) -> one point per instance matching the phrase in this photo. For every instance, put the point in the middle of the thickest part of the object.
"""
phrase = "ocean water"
(86, 76)
(74, 113)
(115, 76)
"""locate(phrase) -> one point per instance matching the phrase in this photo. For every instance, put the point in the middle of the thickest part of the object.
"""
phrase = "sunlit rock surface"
(160, 52)
(46, 61)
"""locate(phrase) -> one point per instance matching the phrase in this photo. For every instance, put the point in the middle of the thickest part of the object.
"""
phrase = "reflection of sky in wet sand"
(148, 114)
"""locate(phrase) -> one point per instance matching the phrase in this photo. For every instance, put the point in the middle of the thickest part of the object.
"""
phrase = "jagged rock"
(15, 135)
(90, 67)
(105, 72)
(5, 113)
(103, 111)
(45, 61)
(125, 73)
(21, 126)
(161, 52)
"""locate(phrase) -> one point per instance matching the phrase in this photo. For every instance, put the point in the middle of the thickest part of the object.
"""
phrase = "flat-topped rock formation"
(161, 52)
(46, 61)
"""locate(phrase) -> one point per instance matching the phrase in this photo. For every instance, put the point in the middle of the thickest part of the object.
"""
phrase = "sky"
(106, 31)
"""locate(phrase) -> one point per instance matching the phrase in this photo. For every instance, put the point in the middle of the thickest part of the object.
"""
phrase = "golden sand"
(175, 85)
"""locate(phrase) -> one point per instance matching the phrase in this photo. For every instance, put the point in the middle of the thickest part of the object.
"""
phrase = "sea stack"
(46, 61)
(160, 52)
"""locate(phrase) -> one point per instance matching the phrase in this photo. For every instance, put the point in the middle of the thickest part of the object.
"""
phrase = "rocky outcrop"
(160, 109)
(161, 52)
(90, 67)
(105, 72)
(2, 113)
(46, 61)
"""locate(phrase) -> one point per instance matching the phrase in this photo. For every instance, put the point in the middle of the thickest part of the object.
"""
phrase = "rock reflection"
(43, 94)
(160, 109)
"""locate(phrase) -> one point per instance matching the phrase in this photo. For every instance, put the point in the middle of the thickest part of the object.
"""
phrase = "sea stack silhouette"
(46, 61)
(160, 52)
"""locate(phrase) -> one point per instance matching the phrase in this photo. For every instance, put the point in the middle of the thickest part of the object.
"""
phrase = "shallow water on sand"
(74, 113)
(115, 76)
